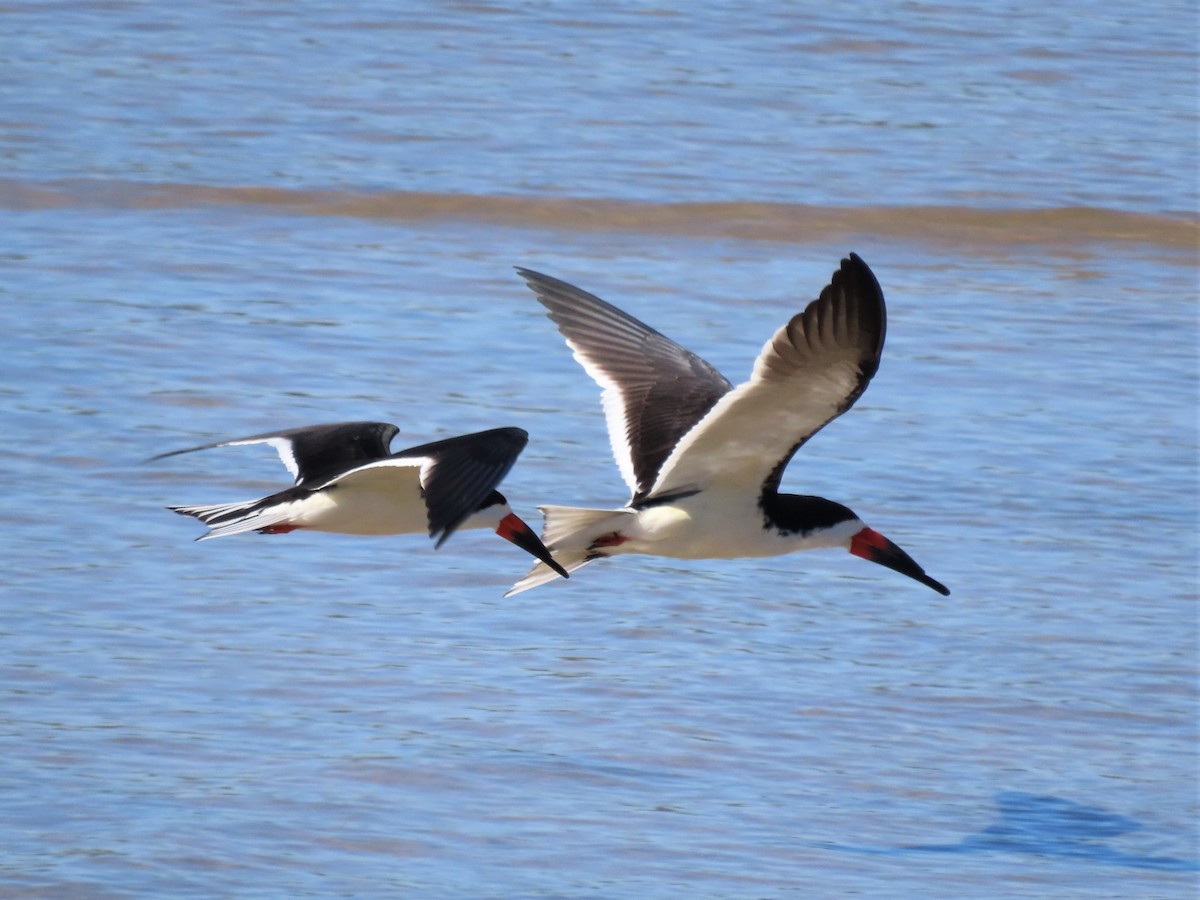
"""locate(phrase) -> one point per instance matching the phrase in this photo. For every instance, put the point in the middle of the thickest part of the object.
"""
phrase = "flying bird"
(704, 459)
(348, 481)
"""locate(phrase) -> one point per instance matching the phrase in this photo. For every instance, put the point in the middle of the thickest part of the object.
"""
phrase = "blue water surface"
(318, 715)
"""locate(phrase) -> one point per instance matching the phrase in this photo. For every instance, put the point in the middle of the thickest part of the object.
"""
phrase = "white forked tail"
(541, 573)
(569, 533)
(234, 518)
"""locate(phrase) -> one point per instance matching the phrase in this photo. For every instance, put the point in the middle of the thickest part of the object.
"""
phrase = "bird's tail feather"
(570, 533)
(577, 528)
(541, 573)
(233, 518)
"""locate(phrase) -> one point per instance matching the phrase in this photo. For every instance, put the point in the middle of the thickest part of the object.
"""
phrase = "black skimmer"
(348, 481)
(703, 458)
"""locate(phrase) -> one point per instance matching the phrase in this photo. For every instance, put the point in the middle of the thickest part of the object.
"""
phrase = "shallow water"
(217, 225)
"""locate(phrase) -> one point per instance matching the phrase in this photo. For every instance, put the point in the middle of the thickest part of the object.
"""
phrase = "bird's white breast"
(383, 506)
(722, 524)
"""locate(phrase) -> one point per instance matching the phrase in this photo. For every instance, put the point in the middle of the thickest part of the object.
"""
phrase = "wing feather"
(459, 474)
(810, 372)
(316, 453)
(654, 391)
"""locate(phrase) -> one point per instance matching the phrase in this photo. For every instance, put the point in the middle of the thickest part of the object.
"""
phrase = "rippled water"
(223, 222)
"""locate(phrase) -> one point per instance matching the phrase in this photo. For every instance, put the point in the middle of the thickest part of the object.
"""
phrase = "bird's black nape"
(798, 514)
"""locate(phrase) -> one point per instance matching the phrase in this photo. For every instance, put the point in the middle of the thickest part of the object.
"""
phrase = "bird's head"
(506, 523)
(823, 523)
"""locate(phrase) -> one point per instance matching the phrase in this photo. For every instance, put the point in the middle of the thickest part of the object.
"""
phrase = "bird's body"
(381, 500)
(703, 458)
(347, 481)
(711, 524)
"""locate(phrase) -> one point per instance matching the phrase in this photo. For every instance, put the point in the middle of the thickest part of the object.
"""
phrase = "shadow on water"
(1051, 827)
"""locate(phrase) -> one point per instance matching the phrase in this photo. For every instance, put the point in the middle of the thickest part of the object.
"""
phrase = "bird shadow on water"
(1050, 827)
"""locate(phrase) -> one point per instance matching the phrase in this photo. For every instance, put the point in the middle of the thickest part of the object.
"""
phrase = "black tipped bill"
(513, 528)
(871, 545)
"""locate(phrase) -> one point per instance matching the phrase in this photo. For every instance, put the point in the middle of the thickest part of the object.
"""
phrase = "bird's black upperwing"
(654, 390)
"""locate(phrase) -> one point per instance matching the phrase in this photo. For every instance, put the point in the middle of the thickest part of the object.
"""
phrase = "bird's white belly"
(389, 507)
(706, 526)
